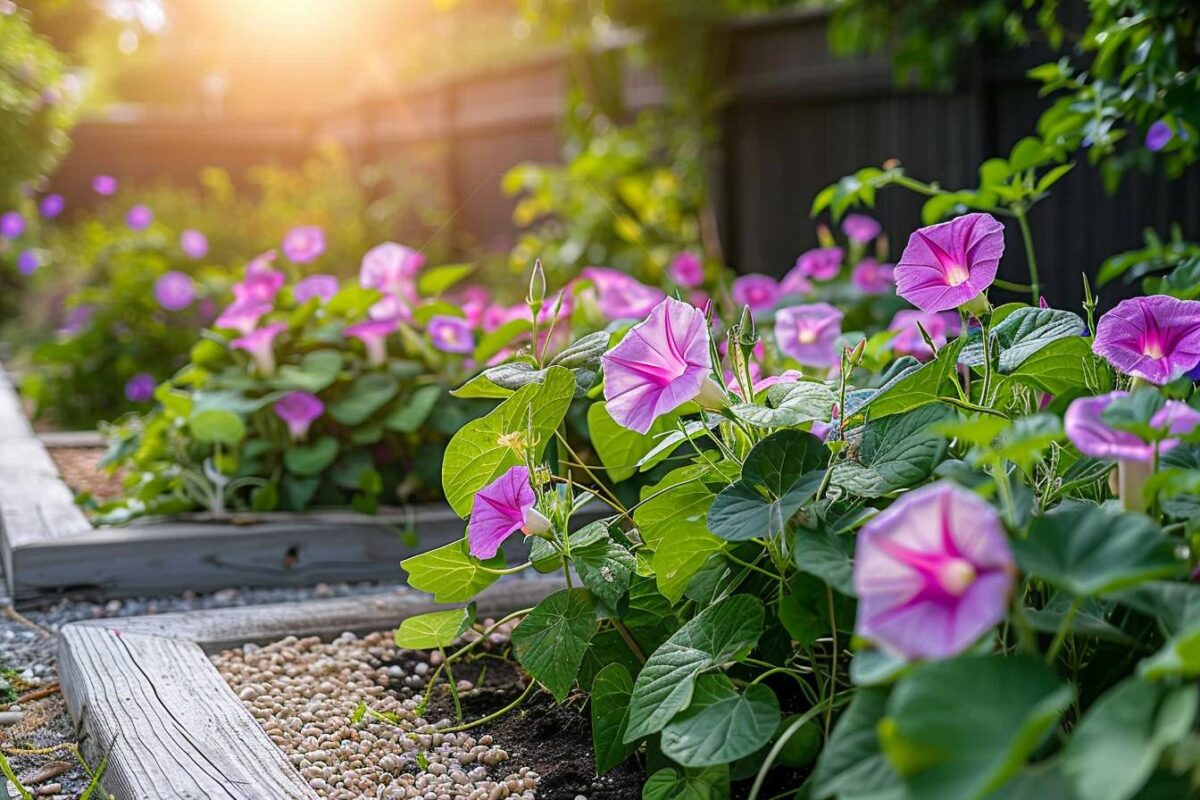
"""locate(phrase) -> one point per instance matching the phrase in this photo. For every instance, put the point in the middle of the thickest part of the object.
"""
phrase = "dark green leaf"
(1022, 334)
(366, 395)
(412, 413)
(721, 724)
(551, 640)
(852, 765)
(310, 460)
(611, 691)
(894, 453)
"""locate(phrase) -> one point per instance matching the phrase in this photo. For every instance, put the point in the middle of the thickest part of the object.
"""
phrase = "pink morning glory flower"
(933, 573)
(686, 269)
(450, 334)
(909, 342)
(946, 265)
(1158, 136)
(662, 363)
(319, 285)
(1085, 427)
(139, 217)
(822, 264)
(52, 205)
(193, 243)
(174, 291)
(872, 277)
(392, 269)
(373, 335)
(1155, 338)
(242, 315)
(860, 228)
(304, 244)
(756, 291)
(474, 302)
(12, 224)
(140, 388)
(299, 410)
(502, 508)
(809, 333)
(261, 283)
(104, 185)
(28, 262)
(259, 343)
(620, 296)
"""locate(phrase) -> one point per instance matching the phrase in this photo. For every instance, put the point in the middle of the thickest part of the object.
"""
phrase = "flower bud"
(537, 285)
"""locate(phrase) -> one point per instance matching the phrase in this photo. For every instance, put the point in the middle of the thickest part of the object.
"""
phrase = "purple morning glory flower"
(872, 277)
(175, 291)
(12, 224)
(261, 283)
(1085, 427)
(139, 217)
(259, 343)
(620, 296)
(322, 286)
(1158, 136)
(140, 388)
(304, 244)
(1155, 338)
(104, 185)
(662, 363)
(242, 315)
(946, 265)
(822, 264)
(451, 334)
(860, 228)
(77, 318)
(52, 205)
(756, 291)
(27, 262)
(392, 269)
(502, 508)
(933, 573)
(299, 410)
(373, 335)
(809, 333)
(909, 341)
(193, 243)
(686, 269)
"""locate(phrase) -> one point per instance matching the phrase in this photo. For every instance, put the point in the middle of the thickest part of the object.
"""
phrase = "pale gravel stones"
(303, 693)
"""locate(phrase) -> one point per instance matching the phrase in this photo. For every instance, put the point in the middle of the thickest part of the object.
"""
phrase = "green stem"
(967, 406)
(754, 567)
(987, 360)
(506, 571)
(1063, 629)
(629, 640)
(452, 685)
(1030, 257)
(833, 666)
(789, 732)
(489, 717)
(1012, 286)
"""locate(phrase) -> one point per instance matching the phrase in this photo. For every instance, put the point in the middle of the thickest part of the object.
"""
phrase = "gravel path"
(28, 645)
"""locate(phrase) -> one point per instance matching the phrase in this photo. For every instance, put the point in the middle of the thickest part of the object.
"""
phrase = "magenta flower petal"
(948, 264)
(193, 243)
(687, 270)
(261, 283)
(822, 264)
(909, 342)
(872, 277)
(1156, 338)
(500, 509)
(1085, 427)
(620, 296)
(12, 224)
(52, 205)
(174, 291)
(304, 244)
(139, 217)
(860, 228)
(321, 286)
(140, 388)
(1158, 136)
(757, 291)
(809, 333)
(451, 334)
(299, 410)
(28, 262)
(242, 316)
(373, 335)
(259, 343)
(104, 185)
(933, 572)
(662, 363)
(392, 269)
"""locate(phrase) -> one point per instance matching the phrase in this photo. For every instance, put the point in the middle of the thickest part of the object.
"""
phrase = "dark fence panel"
(798, 119)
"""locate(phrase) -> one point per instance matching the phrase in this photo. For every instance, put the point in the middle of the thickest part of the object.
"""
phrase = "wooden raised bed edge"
(145, 687)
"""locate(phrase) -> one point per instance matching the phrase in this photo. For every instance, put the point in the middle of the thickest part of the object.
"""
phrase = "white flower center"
(957, 274)
(956, 576)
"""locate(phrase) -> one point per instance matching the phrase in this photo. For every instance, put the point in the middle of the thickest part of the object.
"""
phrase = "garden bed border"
(145, 692)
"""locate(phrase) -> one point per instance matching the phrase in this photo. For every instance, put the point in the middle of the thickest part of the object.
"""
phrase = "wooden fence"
(798, 119)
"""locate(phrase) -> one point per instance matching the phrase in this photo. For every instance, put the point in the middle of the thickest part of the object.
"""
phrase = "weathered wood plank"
(144, 687)
(55, 439)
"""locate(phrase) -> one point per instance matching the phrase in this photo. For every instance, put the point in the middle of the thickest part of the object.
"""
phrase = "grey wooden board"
(145, 687)
(56, 439)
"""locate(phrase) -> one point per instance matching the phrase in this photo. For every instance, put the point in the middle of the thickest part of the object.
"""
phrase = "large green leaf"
(827, 556)
(435, 629)
(780, 474)
(962, 728)
(368, 394)
(915, 387)
(316, 371)
(410, 415)
(1119, 742)
(611, 691)
(311, 460)
(894, 453)
(1059, 367)
(672, 521)
(551, 640)
(721, 724)
(1088, 550)
(486, 447)
(790, 404)
(621, 449)
(709, 783)
(450, 573)
(435, 280)
(605, 567)
(1023, 333)
(852, 765)
(717, 635)
(217, 427)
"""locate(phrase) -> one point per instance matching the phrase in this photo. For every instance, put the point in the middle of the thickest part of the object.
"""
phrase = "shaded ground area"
(80, 468)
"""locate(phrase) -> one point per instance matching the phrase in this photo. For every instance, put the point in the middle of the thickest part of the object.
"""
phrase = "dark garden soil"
(80, 468)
